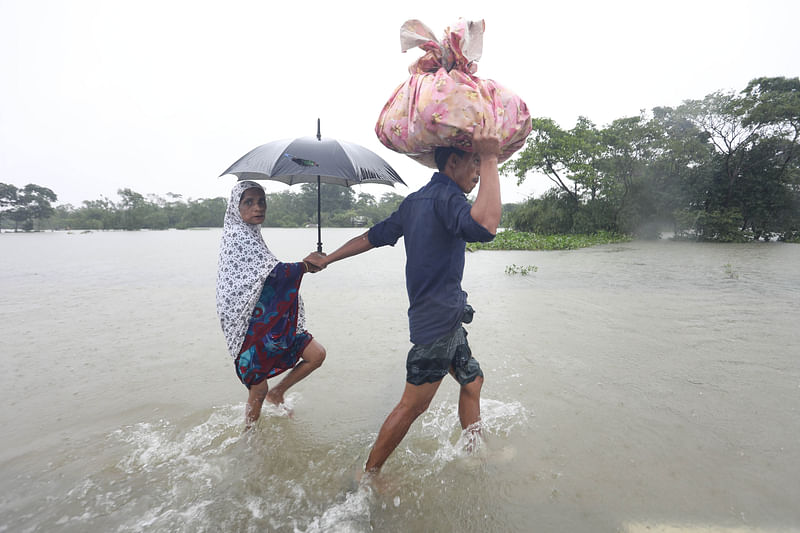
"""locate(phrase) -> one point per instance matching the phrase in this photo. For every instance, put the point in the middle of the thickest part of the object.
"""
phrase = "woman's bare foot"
(275, 397)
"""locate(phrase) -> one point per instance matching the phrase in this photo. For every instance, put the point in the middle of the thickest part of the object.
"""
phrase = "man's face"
(466, 173)
(253, 206)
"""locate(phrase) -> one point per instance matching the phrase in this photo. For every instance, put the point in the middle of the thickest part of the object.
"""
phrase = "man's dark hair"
(442, 154)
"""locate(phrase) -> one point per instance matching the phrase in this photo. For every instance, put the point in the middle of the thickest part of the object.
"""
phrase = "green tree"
(627, 147)
(387, 204)
(727, 165)
(97, 214)
(753, 174)
(334, 199)
(566, 157)
(33, 204)
(681, 168)
(8, 199)
(203, 213)
(132, 209)
(553, 212)
(285, 210)
(772, 196)
(720, 115)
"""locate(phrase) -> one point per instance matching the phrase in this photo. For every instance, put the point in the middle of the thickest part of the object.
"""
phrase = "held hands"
(315, 261)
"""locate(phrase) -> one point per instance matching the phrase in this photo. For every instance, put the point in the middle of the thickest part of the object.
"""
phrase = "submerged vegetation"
(730, 272)
(521, 240)
(513, 269)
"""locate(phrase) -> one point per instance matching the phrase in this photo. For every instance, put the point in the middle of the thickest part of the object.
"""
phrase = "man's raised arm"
(487, 209)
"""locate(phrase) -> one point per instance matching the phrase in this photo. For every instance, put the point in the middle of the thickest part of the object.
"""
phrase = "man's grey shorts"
(429, 363)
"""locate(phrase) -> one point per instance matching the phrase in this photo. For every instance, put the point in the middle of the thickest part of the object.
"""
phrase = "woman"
(259, 304)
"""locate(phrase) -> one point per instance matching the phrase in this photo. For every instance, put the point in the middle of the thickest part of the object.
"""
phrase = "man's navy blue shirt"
(436, 224)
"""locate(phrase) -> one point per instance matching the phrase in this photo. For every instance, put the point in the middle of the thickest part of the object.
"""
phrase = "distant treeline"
(30, 208)
(725, 168)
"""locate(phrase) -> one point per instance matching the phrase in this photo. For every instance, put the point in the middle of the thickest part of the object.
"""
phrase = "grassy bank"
(520, 240)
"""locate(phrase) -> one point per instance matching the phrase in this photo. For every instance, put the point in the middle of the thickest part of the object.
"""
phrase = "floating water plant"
(522, 270)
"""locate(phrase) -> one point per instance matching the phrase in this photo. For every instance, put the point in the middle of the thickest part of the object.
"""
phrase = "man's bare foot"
(373, 480)
(473, 437)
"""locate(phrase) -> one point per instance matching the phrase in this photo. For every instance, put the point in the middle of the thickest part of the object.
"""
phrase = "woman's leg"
(254, 402)
(312, 358)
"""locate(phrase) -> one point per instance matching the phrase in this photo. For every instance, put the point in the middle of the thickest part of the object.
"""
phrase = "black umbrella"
(308, 160)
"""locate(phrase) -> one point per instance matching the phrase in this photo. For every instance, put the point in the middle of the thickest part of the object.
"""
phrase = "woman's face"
(253, 206)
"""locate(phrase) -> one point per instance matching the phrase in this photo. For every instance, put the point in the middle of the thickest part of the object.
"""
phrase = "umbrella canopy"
(309, 160)
(304, 159)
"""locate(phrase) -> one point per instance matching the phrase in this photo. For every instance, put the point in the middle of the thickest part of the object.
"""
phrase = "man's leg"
(469, 412)
(312, 358)
(469, 402)
(414, 402)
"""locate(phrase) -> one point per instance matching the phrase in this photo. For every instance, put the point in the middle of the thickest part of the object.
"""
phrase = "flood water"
(646, 386)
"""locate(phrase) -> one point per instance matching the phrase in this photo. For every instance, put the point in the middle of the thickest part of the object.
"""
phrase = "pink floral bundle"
(442, 100)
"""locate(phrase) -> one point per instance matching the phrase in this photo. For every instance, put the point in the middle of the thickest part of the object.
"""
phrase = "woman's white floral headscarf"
(245, 262)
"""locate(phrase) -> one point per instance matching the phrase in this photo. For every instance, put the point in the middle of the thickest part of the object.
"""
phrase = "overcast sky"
(163, 95)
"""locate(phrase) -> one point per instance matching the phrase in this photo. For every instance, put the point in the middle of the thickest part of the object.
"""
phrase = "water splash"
(349, 516)
(202, 474)
(440, 424)
(433, 444)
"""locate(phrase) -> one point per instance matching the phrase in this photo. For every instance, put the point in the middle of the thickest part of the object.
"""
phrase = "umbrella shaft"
(319, 215)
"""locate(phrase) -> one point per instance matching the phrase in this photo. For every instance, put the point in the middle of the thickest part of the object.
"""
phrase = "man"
(436, 222)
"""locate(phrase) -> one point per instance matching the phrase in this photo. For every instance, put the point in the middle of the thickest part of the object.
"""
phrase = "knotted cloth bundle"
(442, 100)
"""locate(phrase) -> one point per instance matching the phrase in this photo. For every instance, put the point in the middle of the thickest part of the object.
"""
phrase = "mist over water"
(647, 386)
